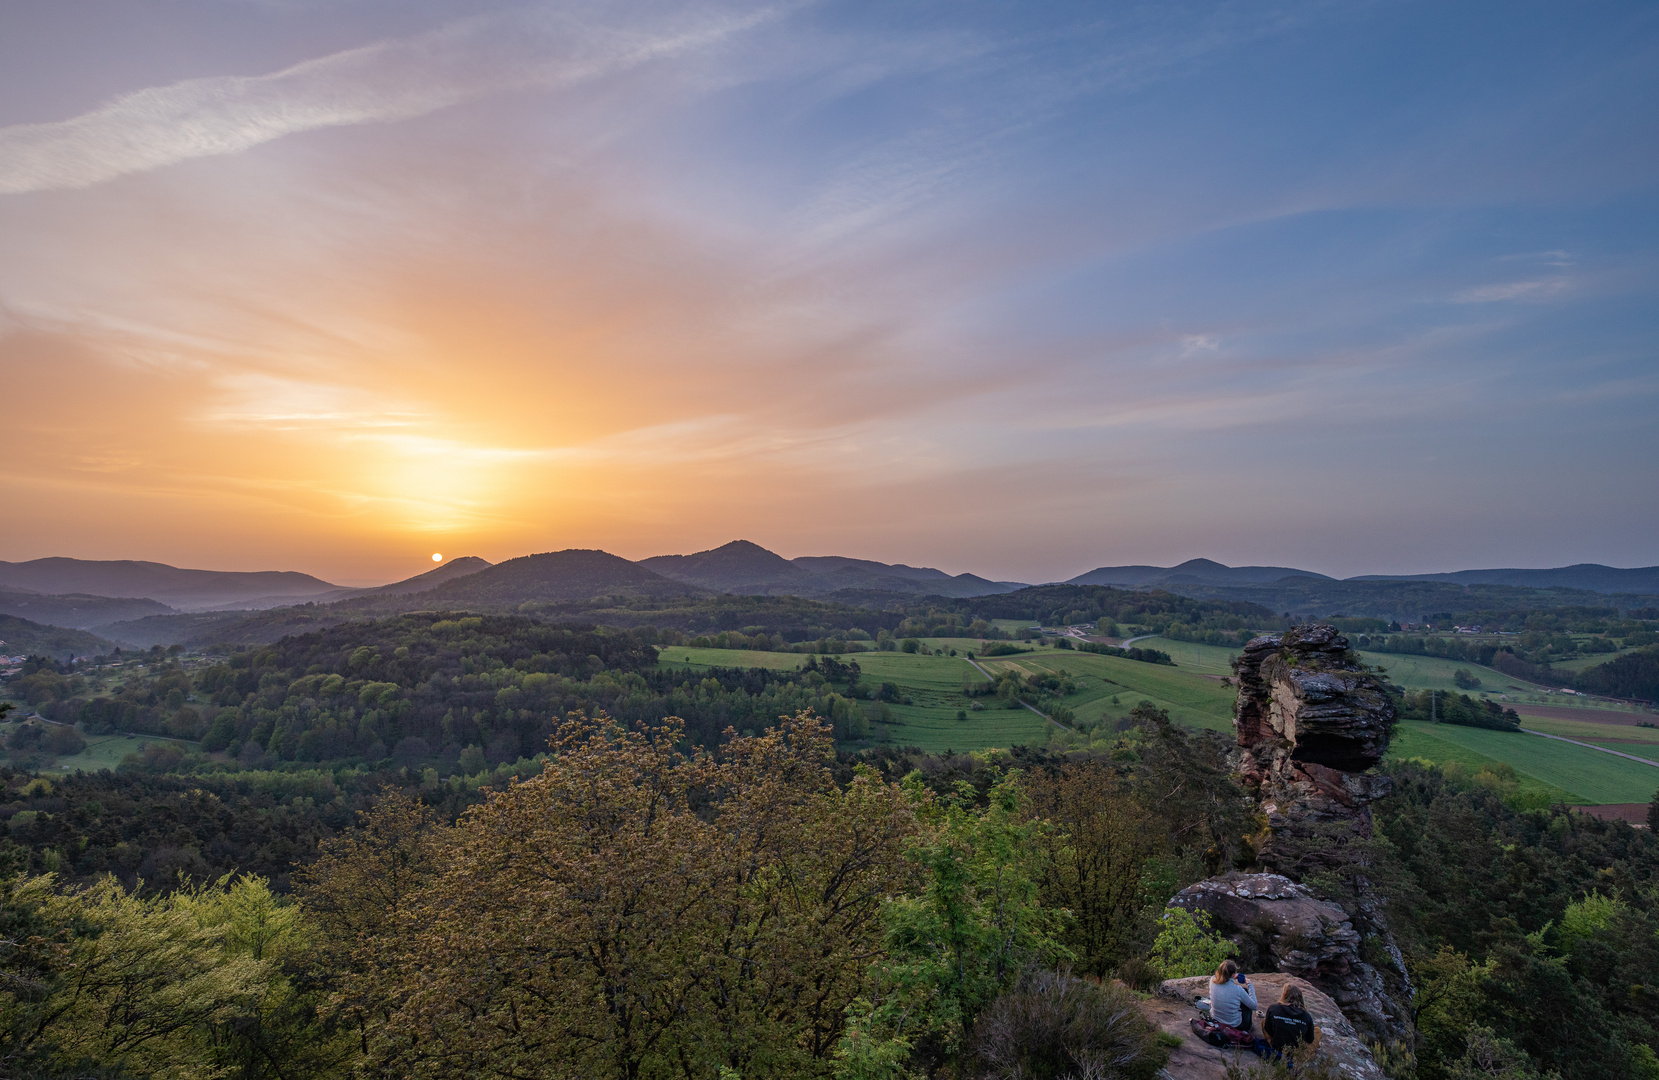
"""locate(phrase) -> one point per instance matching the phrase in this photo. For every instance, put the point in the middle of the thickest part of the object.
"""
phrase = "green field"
(934, 685)
(1193, 657)
(1409, 672)
(1588, 775)
(1195, 697)
(1579, 663)
(103, 751)
(1191, 698)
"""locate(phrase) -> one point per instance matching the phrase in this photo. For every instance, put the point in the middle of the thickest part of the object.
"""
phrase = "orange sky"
(332, 294)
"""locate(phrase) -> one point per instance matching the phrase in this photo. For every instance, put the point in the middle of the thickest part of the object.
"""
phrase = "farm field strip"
(1588, 773)
(1191, 699)
(935, 685)
(1620, 717)
(1410, 742)
(1591, 731)
(1651, 758)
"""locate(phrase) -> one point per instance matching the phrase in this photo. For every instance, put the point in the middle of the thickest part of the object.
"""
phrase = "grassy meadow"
(934, 685)
(1588, 775)
(1192, 699)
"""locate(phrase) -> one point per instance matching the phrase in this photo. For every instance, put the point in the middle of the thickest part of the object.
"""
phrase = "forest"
(449, 844)
(633, 905)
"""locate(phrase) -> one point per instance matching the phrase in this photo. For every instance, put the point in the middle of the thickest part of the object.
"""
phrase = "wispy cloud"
(385, 81)
(1511, 290)
(1194, 344)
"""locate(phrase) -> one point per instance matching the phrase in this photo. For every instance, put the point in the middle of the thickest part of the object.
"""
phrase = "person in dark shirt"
(1288, 1025)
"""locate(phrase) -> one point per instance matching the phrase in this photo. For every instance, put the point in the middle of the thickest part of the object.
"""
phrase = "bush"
(1186, 947)
(1138, 973)
(1465, 679)
(63, 740)
(1053, 1024)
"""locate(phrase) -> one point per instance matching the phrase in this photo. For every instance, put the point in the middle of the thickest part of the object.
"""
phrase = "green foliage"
(1053, 1025)
(1634, 675)
(1584, 919)
(1459, 709)
(1187, 946)
(975, 924)
(198, 982)
(1538, 924)
(1148, 656)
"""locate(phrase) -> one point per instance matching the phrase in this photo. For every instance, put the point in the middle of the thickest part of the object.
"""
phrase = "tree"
(973, 927)
(1186, 945)
(1095, 857)
(191, 983)
(635, 909)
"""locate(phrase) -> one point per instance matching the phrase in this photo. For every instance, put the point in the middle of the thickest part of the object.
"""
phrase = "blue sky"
(1021, 289)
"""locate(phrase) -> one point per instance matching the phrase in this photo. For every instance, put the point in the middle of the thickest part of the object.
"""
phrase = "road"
(1027, 704)
(1593, 746)
(1130, 641)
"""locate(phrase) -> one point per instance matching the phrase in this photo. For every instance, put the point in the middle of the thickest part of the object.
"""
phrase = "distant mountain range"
(145, 603)
(184, 590)
(747, 568)
(1592, 577)
(1191, 572)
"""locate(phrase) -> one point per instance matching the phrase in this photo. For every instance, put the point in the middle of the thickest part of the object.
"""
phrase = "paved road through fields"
(1593, 746)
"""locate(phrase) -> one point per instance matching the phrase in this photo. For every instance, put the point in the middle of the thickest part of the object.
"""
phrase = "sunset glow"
(1013, 290)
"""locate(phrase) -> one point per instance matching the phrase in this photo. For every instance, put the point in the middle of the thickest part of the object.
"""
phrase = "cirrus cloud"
(386, 81)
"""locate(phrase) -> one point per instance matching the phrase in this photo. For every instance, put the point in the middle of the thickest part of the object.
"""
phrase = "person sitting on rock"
(1232, 999)
(1288, 1025)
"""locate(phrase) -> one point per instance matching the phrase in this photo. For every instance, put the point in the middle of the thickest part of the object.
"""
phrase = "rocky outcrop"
(1310, 720)
(1172, 1012)
(1280, 925)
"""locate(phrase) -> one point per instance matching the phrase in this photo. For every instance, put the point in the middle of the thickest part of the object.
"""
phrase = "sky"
(1017, 289)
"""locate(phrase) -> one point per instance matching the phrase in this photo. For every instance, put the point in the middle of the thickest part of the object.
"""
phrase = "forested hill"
(20, 637)
(443, 691)
(851, 614)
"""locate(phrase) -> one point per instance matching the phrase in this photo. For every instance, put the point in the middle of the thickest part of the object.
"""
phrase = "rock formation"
(1281, 926)
(1172, 1012)
(1311, 720)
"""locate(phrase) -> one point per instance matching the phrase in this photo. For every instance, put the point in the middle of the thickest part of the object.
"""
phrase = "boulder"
(1280, 925)
(1172, 1011)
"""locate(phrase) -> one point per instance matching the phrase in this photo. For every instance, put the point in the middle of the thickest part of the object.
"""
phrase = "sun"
(437, 557)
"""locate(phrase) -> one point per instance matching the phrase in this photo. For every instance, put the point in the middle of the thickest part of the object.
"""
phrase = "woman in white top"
(1232, 999)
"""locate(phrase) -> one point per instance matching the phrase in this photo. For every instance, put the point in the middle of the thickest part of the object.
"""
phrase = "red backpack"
(1217, 1034)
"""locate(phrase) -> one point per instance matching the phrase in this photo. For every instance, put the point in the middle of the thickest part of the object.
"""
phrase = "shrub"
(1053, 1024)
(1185, 946)
(1140, 974)
(63, 740)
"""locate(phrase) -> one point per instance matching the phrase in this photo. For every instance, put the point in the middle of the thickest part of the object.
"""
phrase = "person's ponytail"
(1226, 971)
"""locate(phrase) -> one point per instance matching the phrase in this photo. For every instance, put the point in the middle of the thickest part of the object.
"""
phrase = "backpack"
(1221, 1034)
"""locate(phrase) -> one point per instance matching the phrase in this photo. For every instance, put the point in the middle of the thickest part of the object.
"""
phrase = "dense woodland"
(482, 845)
(637, 907)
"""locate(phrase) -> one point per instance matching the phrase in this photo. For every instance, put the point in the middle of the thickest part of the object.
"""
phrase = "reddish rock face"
(1305, 690)
(1311, 722)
